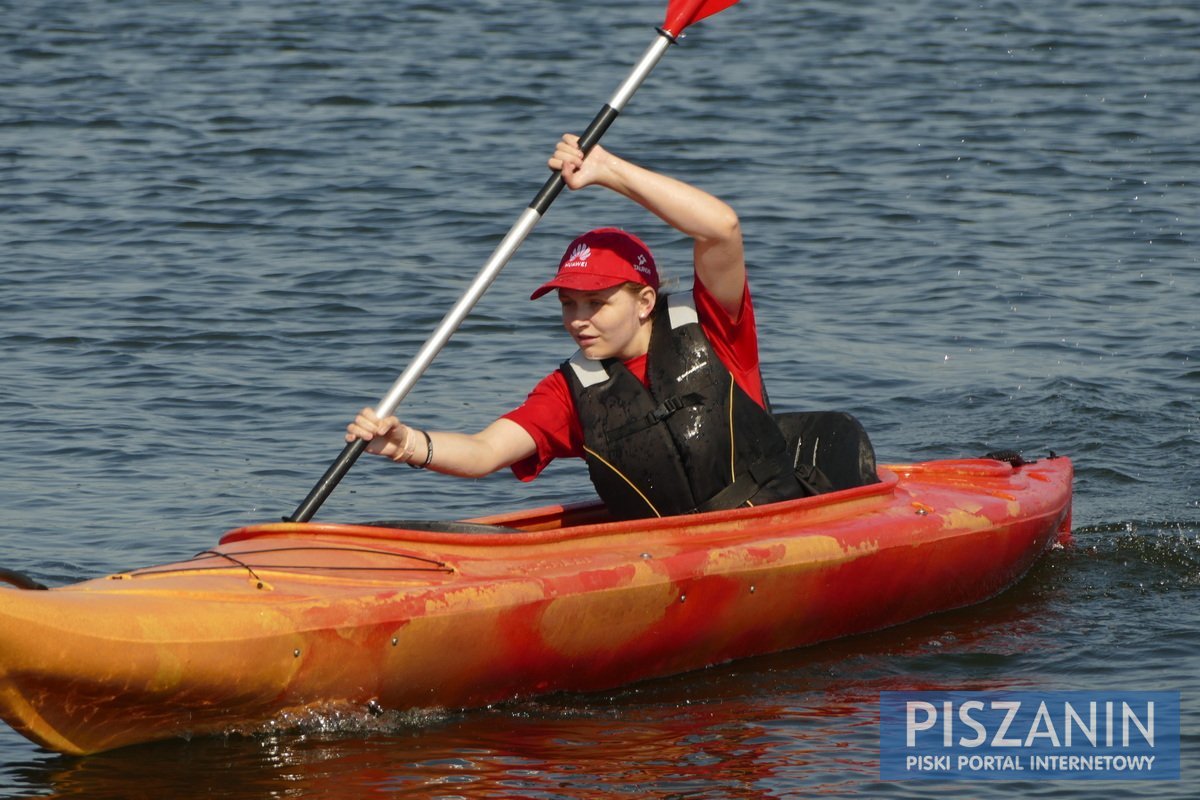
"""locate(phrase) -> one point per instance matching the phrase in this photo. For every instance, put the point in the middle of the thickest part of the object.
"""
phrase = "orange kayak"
(285, 618)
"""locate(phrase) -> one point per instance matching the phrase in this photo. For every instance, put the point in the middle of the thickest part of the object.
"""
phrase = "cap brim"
(579, 282)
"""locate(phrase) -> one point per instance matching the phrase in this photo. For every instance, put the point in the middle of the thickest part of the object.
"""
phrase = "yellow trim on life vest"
(621, 475)
(732, 434)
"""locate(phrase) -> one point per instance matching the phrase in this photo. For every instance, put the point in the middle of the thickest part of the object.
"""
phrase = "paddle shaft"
(483, 280)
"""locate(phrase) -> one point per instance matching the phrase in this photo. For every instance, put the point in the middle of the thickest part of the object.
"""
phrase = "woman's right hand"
(387, 437)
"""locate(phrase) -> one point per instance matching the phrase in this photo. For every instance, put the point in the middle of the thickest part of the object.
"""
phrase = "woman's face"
(608, 323)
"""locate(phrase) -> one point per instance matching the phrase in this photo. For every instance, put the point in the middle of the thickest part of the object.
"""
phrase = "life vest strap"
(746, 484)
(661, 412)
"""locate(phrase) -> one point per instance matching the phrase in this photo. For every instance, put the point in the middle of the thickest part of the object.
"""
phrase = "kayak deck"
(287, 616)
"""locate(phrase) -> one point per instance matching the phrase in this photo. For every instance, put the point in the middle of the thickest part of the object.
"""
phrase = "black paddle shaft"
(329, 481)
(587, 140)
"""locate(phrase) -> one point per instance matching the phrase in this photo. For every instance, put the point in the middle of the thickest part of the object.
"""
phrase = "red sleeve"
(735, 340)
(548, 415)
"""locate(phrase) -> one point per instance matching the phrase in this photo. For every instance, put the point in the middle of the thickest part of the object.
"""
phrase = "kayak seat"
(439, 526)
(833, 441)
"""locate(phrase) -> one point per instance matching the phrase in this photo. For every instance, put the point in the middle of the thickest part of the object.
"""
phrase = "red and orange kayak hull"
(287, 617)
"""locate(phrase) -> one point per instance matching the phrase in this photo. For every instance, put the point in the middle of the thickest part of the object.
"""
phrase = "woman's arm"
(718, 252)
(474, 455)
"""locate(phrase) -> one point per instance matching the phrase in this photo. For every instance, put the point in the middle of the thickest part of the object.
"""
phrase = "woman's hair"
(662, 291)
(633, 287)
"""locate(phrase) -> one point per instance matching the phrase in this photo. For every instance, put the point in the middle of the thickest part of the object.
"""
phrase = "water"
(226, 226)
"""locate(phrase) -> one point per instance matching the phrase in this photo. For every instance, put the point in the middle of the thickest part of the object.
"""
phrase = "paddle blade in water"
(681, 13)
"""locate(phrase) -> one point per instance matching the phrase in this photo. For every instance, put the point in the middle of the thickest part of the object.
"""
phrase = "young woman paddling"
(664, 399)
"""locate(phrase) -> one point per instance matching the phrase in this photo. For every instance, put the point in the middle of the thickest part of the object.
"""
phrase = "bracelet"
(428, 452)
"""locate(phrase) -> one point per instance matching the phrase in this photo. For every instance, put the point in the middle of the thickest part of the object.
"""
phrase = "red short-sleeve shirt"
(548, 413)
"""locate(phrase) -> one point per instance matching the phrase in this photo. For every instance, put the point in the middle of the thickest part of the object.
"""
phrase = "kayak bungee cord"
(431, 565)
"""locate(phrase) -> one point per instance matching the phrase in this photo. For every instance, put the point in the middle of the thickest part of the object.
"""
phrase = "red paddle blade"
(681, 13)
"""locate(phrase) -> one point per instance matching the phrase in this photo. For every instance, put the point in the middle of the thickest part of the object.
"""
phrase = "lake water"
(228, 225)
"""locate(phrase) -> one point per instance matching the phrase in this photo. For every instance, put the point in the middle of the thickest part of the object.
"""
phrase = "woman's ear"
(646, 299)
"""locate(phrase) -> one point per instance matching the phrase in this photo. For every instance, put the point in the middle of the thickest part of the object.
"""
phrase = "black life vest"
(692, 441)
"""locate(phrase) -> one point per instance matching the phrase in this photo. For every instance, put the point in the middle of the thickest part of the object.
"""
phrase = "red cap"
(601, 259)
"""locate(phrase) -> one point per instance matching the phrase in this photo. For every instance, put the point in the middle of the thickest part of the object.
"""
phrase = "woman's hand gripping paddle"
(680, 14)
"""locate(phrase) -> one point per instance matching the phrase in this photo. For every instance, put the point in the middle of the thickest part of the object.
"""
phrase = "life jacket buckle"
(668, 407)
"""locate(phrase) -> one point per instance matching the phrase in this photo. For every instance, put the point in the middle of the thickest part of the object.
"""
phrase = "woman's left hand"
(577, 169)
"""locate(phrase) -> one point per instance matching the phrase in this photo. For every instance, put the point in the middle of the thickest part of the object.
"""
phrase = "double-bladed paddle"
(680, 14)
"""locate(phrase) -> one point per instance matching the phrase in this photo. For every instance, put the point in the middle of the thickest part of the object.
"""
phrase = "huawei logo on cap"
(579, 256)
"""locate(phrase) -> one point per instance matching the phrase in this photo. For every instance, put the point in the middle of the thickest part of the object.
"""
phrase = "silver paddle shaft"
(515, 238)
(487, 275)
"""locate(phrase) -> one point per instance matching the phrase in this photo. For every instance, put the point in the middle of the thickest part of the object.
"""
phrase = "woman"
(664, 398)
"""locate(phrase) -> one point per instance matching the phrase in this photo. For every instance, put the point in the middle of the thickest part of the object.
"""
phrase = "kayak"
(287, 618)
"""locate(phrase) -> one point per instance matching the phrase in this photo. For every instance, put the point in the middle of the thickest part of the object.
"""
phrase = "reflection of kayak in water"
(287, 617)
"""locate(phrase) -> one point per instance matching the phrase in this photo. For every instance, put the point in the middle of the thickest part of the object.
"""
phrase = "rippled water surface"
(228, 225)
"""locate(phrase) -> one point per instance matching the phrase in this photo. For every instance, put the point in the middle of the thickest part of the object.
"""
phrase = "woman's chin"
(594, 350)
